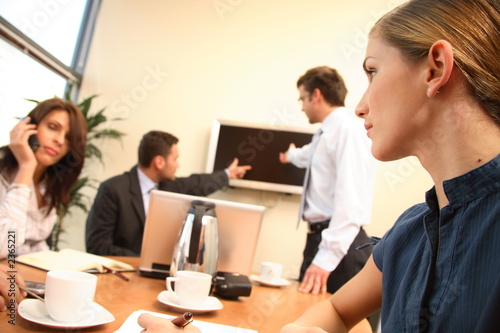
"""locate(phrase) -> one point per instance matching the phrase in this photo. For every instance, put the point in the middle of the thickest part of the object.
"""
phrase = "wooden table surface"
(266, 310)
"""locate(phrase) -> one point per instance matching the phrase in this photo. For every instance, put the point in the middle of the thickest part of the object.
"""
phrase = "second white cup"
(191, 288)
(270, 271)
(69, 295)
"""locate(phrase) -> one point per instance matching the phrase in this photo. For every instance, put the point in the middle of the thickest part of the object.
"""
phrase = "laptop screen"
(239, 227)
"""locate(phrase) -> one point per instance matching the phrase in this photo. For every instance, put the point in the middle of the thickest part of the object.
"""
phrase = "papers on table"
(130, 325)
(72, 260)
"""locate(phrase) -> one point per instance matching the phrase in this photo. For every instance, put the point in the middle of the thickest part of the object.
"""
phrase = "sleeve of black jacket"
(197, 184)
(115, 224)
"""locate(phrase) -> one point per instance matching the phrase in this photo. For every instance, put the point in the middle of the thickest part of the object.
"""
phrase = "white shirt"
(340, 185)
(146, 185)
(22, 221)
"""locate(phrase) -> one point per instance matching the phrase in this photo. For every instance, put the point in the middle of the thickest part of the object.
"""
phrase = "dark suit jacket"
(115, 223)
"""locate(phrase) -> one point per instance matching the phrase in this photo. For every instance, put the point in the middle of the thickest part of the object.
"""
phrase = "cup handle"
(171, 292)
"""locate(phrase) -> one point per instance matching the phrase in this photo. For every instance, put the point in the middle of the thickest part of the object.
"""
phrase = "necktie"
(146, 198)
(315, 140)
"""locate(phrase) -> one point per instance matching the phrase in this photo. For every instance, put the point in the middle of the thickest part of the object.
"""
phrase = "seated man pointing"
(115, 224)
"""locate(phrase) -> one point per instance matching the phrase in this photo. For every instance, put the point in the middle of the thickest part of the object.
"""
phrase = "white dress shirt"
(146, 185)
(340, 185)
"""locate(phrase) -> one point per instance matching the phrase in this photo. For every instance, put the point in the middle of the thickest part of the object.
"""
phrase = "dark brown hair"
(155, 143)
(61, 176)
(328, 81)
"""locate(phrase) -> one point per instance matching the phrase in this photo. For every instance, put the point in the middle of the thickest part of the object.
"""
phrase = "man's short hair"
(155, 143)
(328, 81)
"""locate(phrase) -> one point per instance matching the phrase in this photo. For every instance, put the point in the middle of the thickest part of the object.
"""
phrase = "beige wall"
(176, 65)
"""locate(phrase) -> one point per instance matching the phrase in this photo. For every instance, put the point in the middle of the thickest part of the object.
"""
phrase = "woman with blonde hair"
(434, 93)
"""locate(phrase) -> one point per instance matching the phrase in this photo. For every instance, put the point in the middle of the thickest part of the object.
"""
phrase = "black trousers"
(349, 266)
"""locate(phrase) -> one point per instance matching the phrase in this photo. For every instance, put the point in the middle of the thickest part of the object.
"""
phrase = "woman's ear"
(440, 66)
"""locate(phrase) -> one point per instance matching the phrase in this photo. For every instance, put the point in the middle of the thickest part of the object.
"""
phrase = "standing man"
(338, 189)
(115, 224)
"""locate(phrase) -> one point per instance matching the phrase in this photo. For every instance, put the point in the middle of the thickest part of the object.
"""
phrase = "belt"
(317, 227)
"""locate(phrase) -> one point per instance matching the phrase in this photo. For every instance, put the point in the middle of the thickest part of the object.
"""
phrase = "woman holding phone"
(37, 170)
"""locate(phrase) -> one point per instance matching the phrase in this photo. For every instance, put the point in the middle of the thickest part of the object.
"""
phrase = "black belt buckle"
(314, 228)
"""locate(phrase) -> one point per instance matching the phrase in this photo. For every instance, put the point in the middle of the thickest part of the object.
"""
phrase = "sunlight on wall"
(175, 66)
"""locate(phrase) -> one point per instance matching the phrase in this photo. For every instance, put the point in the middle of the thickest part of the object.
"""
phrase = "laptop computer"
(239, 227)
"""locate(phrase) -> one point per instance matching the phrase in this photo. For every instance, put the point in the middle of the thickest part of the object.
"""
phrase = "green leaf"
(97, 130)
(84, 105)
(31, 100)
(107, 133)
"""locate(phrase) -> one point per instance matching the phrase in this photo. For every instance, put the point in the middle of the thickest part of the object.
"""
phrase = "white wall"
(176, 65)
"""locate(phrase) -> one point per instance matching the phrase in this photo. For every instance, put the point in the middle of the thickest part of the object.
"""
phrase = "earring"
(429, 90)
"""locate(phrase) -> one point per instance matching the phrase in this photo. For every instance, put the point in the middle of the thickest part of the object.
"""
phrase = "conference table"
(266, 310)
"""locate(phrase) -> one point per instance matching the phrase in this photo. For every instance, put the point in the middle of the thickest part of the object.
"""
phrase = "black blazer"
(115, 223)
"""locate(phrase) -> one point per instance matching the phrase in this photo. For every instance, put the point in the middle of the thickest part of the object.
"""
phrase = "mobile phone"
(35, 287)
(33, 140)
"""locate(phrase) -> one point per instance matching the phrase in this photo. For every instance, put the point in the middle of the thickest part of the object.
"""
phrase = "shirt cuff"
(325, 260)
(291, 155)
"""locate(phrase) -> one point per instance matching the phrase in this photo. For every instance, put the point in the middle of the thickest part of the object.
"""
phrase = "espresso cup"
(191, 288)
(69, 295)
(270, 271)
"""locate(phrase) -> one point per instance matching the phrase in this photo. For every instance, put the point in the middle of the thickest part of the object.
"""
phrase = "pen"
(30, 293)
(183, 320)
(120, 275)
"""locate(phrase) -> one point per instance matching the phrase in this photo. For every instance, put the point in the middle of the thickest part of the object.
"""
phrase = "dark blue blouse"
(441, 269)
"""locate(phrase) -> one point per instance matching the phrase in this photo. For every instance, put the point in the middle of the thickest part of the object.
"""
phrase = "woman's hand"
(10, 295)
(23, 153)
(153, 324)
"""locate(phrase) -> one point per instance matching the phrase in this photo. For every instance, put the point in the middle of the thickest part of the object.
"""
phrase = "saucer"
(35, 311)
(211, 304)
(281, 282)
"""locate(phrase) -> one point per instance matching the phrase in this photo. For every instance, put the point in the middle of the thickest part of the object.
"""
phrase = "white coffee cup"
(69, 295)
(191, 288)
(270, 271)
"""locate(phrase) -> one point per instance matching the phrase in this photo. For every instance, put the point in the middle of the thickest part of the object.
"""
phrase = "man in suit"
(115, 224)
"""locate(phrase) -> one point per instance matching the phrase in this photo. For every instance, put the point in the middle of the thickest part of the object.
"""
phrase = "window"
(43, 47)
(21, 77)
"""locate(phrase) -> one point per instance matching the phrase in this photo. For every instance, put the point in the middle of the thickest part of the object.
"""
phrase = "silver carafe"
(197, 247)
